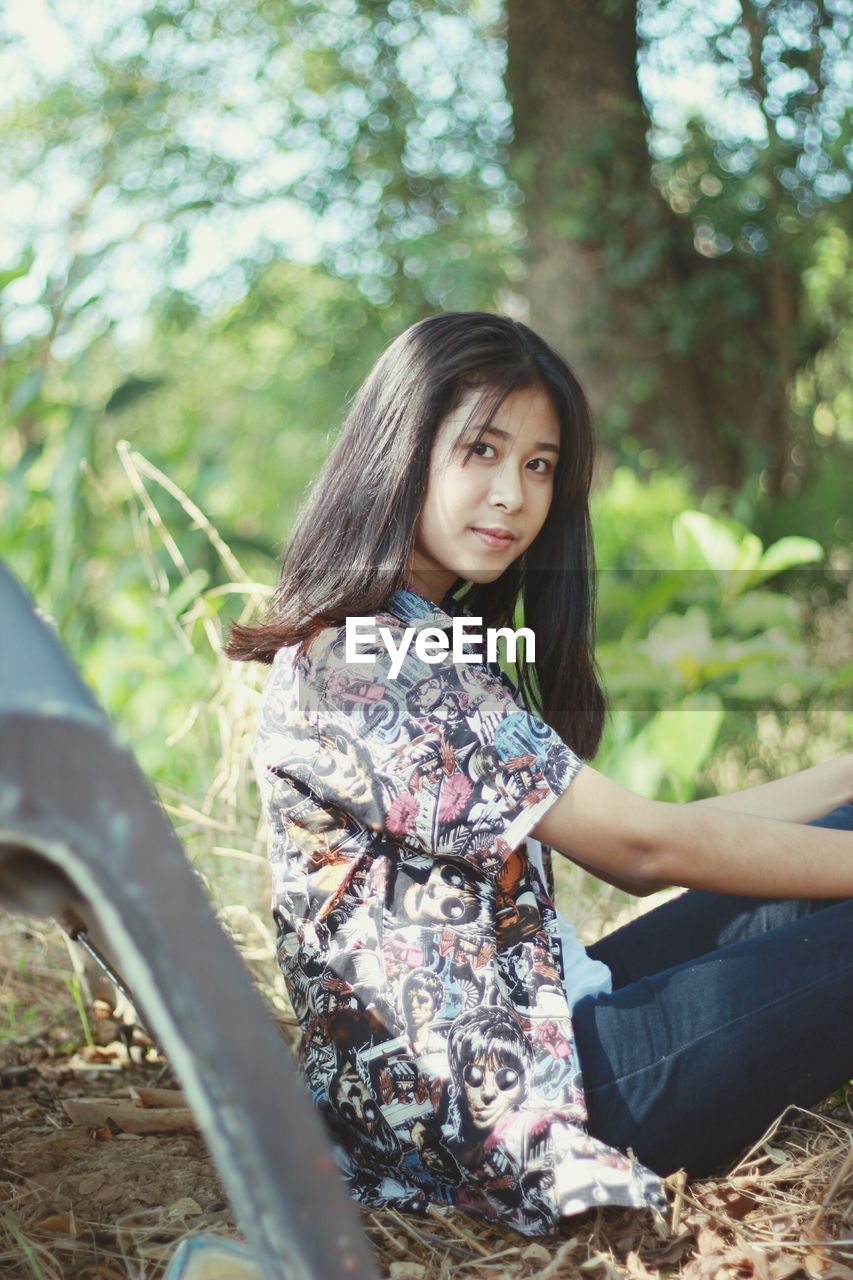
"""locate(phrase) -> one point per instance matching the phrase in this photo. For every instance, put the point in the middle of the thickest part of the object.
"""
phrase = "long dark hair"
(355, 532)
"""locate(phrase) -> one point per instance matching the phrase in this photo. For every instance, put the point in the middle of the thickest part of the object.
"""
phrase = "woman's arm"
(798, 798)
(628, 884)
(650, 842)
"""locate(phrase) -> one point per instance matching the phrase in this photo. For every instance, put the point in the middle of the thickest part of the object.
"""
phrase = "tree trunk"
(613, 270)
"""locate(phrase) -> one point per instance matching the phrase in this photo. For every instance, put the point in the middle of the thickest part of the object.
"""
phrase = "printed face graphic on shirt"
(425, 696)
(504, 482)
(420, 1007)
(422, 997)
(343, 768)
(489, 1058)
(491, 1088)
(351, 1097)
(446, 897)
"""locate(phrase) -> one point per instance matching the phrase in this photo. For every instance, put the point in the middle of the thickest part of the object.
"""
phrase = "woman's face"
(506, 484)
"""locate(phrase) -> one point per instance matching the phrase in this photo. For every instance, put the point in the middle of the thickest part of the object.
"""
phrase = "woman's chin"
(482, 577)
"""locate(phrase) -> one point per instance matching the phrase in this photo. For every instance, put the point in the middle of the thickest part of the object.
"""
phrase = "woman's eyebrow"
(504, 435)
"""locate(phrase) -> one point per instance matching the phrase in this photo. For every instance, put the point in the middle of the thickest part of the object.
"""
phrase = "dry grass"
(77, 1206)
(785, 1208)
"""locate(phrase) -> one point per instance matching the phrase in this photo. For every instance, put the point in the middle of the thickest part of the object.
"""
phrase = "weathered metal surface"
(81, 831)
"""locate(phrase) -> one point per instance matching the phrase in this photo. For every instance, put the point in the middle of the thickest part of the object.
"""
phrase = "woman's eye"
(480, 444)
(546, 467)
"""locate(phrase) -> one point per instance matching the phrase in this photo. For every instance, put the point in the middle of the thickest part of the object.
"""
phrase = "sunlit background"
(214, 217)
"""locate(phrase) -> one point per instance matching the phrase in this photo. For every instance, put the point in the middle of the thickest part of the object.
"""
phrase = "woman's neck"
(430, 579)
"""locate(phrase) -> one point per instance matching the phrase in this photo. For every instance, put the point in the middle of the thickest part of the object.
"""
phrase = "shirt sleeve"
(439, 757)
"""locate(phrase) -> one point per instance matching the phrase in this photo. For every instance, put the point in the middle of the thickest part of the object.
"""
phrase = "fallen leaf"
(729, 1201)
(91, 1183)
(59, 1222)
(784, 1265)
(636, 1268)
(186, 1207)
(672, 1252)
(536, 1254)
(158, 1097)
(129, 1116)
(709, 1241)
(603, 1266)
(100, 1133)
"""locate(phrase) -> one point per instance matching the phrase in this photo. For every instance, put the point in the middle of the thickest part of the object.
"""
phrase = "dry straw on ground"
(91, 1205)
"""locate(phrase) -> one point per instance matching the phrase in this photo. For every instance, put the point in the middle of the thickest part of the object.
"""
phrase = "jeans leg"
(698, 922)
(841, 819)
(690, 1064)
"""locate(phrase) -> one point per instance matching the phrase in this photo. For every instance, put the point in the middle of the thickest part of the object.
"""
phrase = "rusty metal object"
(81, 832)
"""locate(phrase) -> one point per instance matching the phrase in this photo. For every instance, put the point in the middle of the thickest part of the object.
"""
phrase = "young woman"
(465, 1049)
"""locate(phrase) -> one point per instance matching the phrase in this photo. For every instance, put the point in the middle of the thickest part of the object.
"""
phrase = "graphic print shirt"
(419, 945)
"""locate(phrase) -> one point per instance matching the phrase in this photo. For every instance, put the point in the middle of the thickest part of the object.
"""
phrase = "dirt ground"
(90, 1202)
(99, 1200)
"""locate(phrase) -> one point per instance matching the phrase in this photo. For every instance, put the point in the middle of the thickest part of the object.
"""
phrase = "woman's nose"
(507, 489)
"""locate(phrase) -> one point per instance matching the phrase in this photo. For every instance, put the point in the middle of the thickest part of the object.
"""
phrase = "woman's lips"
(496, 542)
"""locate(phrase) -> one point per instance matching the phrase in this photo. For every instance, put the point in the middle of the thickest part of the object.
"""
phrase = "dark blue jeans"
(724, 1011)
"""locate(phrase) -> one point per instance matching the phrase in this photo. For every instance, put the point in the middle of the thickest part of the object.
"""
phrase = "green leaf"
(676, 636)
(761, 611)
(628, 670)
(705, 543)
(129, 391)
(636, 766)
(788, 552)
(683, 737)
(762, 680)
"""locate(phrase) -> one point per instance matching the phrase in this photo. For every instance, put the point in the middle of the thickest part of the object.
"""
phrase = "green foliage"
(689, 634)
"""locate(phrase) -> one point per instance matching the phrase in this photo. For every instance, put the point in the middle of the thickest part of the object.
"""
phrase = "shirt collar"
(417, 611)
